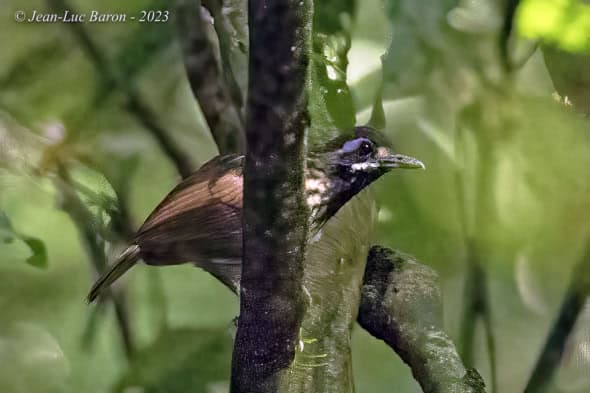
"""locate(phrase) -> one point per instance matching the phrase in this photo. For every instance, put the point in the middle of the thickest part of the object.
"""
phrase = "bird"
(200, 220)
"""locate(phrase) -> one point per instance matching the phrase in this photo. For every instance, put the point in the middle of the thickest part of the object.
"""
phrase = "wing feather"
(210, 201)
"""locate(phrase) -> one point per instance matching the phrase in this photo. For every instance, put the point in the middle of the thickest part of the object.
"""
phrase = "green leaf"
(565, 23)
(330, 102)
(38, 257)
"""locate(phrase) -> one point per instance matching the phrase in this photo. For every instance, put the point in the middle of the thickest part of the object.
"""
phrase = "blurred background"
(97, 120)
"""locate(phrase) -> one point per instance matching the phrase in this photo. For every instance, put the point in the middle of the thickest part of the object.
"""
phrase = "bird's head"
(365, 157)
(348, 164)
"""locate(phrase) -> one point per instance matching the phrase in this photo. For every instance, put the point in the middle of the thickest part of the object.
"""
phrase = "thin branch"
(573, 304)
(207, 81)
(83, 219)
(275, 213)
(506, 33)
(401, 305)
(476, 292)
(472, 308)
(377, 119)
(223, 24)
(477, 305)
(560, 66)
(148, 119)
(110, 76)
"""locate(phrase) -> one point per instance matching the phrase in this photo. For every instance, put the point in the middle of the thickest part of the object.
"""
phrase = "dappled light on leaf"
(330, 104)
(565, 23)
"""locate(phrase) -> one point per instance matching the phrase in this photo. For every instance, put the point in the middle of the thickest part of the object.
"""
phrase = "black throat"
(330, 186)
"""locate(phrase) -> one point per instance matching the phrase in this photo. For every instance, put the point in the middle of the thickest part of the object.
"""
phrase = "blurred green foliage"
(506, 164)
(331, 105)
(182, 360)
(38, 257)
(565, 23)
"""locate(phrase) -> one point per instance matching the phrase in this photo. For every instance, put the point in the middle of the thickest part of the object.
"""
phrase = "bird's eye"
(365, 148)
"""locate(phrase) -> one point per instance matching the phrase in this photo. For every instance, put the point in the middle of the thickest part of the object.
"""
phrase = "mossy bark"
(275, 214)
(401, 304)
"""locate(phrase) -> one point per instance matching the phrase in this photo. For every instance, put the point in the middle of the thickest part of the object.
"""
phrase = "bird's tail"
(125, 262)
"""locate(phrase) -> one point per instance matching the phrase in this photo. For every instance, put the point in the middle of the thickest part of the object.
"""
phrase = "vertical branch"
(275, 214)
(477, 305)
(207, 80)
(566, 73)
(510, 7)
(476, 291)
(477, 275)
(227, 34)
(472, 306)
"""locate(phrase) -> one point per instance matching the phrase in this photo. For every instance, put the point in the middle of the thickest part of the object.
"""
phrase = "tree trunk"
(275, 214)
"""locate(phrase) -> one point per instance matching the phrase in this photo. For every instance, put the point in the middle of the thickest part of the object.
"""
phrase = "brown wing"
(199, 220)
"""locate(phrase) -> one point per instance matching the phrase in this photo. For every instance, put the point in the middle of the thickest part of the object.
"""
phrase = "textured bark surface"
(207, 80)
(401, 305)
(275, 213)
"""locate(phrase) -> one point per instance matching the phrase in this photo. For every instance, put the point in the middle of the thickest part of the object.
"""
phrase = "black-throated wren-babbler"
(200, 220)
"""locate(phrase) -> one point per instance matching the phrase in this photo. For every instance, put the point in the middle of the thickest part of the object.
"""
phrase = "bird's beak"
(390, 161)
